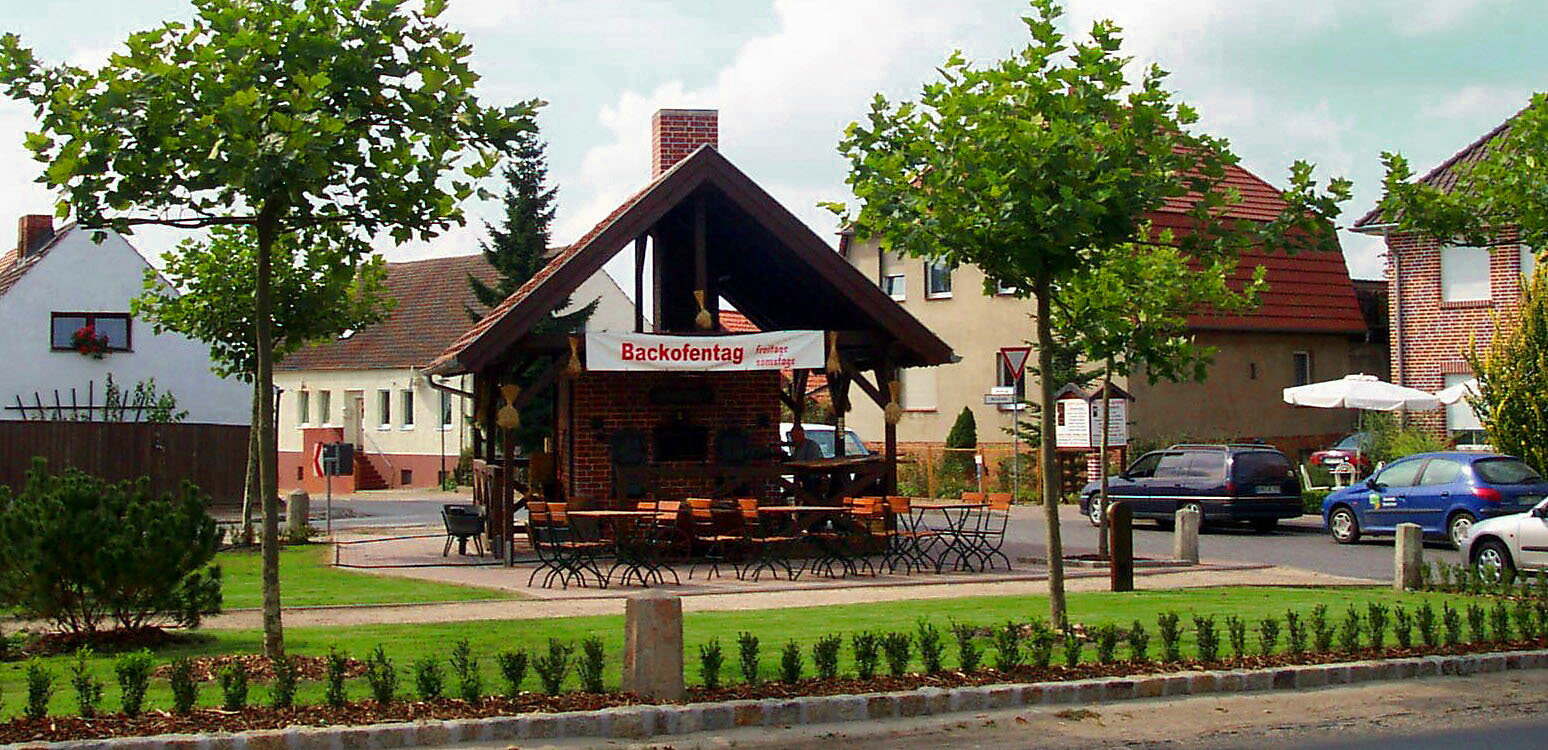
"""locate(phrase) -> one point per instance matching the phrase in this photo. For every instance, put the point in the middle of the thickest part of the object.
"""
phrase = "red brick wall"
(676, 133)
(622, 400)
(1429, 342)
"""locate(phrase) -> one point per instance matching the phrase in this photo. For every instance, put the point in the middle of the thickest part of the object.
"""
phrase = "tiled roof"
(11, 270)
(432, 297)
(732, 321)
(1444, 177)
(1260, 201)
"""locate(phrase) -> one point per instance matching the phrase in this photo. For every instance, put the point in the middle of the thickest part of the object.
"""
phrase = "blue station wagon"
(1249, 483)
(1442, 492)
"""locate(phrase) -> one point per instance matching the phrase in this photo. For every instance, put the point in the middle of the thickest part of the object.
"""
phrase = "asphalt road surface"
(1500, 711)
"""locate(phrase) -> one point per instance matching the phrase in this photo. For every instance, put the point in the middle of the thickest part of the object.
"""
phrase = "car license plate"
(1528, 499)
(1268, 489)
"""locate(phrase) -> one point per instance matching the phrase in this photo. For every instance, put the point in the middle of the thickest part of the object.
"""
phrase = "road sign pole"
(328, 507)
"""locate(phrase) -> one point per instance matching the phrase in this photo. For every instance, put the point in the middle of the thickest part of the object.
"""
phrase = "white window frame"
(931, 293)
(383, 409)
(1456, 263)
(898, 290)
(1311, 368)
(447, 415)
(406, 408)
(924, 379)
(1460, 416)
(304, 408)
(324, 408)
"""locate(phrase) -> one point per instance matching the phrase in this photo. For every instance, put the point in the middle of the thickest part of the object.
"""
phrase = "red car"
(1344, 450)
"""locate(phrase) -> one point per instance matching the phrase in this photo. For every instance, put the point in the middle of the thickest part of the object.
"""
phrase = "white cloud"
(1467, 102)
(1421, 17)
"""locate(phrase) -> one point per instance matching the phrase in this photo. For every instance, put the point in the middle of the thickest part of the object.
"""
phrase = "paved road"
(1500, 711)
(1299, 544)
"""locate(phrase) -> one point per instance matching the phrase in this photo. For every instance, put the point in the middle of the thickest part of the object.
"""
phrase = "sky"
(1333, 82)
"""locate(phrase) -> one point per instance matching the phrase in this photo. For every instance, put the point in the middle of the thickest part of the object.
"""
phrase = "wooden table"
(831, 547)
(847, 476)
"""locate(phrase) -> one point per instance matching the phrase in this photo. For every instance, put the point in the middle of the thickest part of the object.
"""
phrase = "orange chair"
(766, 549)
(988, 538)
(701, 515)
(909, 543)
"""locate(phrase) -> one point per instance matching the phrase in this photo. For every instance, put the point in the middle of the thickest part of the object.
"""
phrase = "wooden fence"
(212, 456)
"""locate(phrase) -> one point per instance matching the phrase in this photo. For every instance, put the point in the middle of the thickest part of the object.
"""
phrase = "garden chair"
(986, 539)
(908, 542)
(567, 556)
(765, 548)
(713, 544)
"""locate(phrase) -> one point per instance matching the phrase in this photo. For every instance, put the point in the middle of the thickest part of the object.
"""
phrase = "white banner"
(779, 350)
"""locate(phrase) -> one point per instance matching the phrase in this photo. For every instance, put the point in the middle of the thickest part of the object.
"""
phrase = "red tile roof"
(1260, 201)
(732, 321)
(1444, 177)
(432, 297)
(12, 269)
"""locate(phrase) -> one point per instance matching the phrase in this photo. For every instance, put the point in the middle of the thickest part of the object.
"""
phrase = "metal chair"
(908, 542)
(765, 549)
(702, 517)
(986, 539)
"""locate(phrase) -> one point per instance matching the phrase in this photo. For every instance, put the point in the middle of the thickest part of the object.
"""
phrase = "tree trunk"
(263, 383)
(250, 491)
(1047, 456)
(1107, 385)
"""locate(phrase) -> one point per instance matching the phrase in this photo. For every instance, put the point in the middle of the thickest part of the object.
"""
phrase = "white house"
(52, 284)
(366, 388)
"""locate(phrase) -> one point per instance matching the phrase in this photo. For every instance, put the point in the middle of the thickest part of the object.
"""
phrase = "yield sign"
(1015, 359)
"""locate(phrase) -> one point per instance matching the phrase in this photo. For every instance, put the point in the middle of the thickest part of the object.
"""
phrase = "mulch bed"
(260, 668)
(109, 641)
(59, 728)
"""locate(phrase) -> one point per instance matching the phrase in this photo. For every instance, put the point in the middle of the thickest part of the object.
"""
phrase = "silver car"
(1518, 541)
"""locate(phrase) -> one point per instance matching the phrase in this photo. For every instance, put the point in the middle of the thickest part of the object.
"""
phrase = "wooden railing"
(499, 504)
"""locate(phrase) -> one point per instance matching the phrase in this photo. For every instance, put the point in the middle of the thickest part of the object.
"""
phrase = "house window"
(1301, 363)
(407, 401)
(115, 326)
(1460, 416)
(895, 285)
(1001, 287)
(937, 279)
(918, 389)
(324, 407)
(303, 407)
(446, 410)
(1004, 377)
(384, 407)
(1464, 274)
(1528, 261)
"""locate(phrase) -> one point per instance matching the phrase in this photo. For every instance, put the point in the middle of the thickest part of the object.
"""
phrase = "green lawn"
(408, 642)
(307, 580)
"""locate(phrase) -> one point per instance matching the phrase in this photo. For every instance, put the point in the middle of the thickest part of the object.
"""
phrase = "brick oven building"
(1444, 298)
(702, 232)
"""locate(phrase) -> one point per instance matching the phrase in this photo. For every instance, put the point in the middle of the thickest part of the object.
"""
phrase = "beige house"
(1308, 328)
(368, 388)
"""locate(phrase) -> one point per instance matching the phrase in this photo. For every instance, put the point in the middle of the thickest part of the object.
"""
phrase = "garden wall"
(212, 456)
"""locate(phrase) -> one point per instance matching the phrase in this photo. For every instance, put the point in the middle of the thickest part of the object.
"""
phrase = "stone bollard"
(1120, 546)
(653, 646)
(298, 507)
(1185, 540)
(1407, 557)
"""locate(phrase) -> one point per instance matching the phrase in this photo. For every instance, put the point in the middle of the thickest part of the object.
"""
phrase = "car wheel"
(1344, 527)
(1094, 510)
(1458, 527)
(1264, 525)
(1491, 558)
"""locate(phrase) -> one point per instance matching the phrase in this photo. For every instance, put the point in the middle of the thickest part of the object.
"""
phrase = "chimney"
(676, 133)
(31, 232)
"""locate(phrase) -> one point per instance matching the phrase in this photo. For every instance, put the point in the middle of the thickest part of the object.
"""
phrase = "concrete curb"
(638, 722)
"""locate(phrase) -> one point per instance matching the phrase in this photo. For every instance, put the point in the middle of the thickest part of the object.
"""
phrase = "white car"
(1515, 542)
(822, 435)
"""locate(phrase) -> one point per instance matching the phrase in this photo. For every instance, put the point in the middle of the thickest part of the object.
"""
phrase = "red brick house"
(1443, 298)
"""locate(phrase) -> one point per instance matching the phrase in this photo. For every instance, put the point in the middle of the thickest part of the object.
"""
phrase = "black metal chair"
(463, 522)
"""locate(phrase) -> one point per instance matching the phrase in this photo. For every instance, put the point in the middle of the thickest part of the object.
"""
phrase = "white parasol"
(1465, 389)
(1360, 392)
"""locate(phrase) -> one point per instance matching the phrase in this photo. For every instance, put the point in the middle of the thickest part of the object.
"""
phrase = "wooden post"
(639, 284)
(1120, 546)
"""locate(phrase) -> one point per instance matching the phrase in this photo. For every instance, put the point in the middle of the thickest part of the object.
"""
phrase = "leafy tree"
(77, 551)
(334, 118)
(963, 434)
(1130, 312)
(517, 251)
(1512, 377)
(206, 291)
(1045, 163)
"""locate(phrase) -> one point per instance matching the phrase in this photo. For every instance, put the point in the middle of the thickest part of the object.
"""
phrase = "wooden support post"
(639, 284)
(838, 389)
(507, 489)
(1120, 546)
(884, 376)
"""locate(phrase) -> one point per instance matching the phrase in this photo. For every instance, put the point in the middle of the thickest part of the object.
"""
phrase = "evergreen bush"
(185, 691)
(40, 690)
(429, 678)
(88, 689)
(513, 669)
(963, 434)
(1139, 643)
(1171, 636)
(969, 656)
(233, 687)
(932, 649)
(593, 661)
(867, 648)
(1268, 635)
(790, 663)
(1007, 645)
(133, 671)
(552, 667)
(825, 656)
(382, 675)
(747, 655)
(711, 659)
(336, 693)
(896, 649)
(470, 682)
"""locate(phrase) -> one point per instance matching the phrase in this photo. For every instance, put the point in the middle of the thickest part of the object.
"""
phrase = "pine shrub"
(592, 664)
(382, 675)
(282, 693)
(1376, 624)
(1451, 620)
(896, 649)
(932, 649)
(1477, 628)
(969, 656)
(1040, 646)
(1499, 620)
(825, 656)
(1295, 633)
(429, 679)
(133, 670)
(1107, 644)
(1236, 633)
(1007, 647)
(1424, 620)
(470, 683)
(233, 687)
(513, 669)
(1402, 626)
(1207, 638)
(1268, 635)
(1171, 636)
(1349, 631)
(336, 693)
(1322, 630)
(40, 690)
(1524, 614)
(88, 689)
(1073, 645)
(790, 663)
(867, 647)
(185, 691)
(747, 654)
(1139, 643)
(711, 659)
(553, 666)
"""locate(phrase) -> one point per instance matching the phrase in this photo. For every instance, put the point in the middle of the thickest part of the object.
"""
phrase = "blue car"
(1443, 492)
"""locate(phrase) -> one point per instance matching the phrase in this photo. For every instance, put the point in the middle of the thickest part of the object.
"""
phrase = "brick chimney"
(31, 232)
(676, 133)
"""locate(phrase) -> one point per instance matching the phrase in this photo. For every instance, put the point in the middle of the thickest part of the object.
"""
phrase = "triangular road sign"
(1015, 359)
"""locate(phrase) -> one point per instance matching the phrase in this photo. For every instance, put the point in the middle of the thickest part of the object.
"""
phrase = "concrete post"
(298, 507)
(653, 646)
(1185, 540)
(1120, 546)
(1407, 557)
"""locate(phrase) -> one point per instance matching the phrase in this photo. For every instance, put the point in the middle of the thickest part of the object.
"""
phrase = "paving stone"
(717, 716)
(542, 726)
(269, 739)
(1089, 691)
(1203, 682)
(967, 699)
(1150, 687)
(1259, 679)
(1034, 695)
(911, 704)
(1431, 666)
(1059, 692)
(781, 713)
(507, 727)
(1233, 682)
(1003, 696)
(1311, 677)
(880, 707)
(1492, 663)
(849, 707)
(1284, 679)
(1118, 690)
(1174, 684)
(430, 734)
(938, 700)
(747, 713)
(630, 722)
